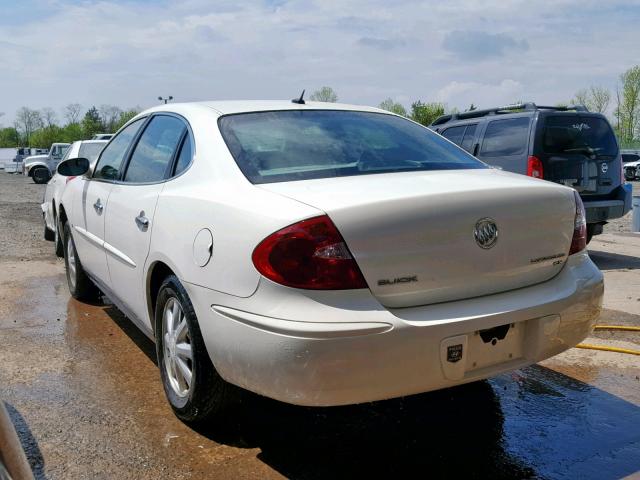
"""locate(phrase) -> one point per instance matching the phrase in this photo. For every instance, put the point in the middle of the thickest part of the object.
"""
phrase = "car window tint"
(505, 137)
(155, 149)
(579, 134)
(469, 135)
(454, 134)
(110, 161)
(90, 151)
(289, 145)
(185, 156)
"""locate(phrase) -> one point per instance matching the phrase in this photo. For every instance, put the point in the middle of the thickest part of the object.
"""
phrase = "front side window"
(110, 160)
(505, 137)
(155, 149)
(290, 145)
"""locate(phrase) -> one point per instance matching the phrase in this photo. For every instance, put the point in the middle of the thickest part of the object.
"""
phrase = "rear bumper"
(363, 352)
(604, 210)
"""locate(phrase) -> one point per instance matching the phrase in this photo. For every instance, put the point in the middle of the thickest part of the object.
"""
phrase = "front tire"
(40, 175)
(196, 393)
(80, 285)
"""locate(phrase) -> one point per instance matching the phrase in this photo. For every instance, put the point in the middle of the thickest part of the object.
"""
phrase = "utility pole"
(165, 99)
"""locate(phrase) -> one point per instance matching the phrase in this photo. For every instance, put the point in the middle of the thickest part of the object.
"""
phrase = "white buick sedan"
(323, 254)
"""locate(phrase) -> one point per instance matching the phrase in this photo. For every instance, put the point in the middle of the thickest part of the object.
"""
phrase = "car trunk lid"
(413, 234)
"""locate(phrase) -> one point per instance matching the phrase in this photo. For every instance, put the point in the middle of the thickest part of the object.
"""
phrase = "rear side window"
(469, 135)
(454, 134)
(184, 157)
(506, 137)
(155, 149)
(577, 134)
(290, 145)
(110, 161)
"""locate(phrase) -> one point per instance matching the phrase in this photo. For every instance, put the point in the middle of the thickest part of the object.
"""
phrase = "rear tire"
(40, 175)
(196, 392)
(80, 285)
(58, 240)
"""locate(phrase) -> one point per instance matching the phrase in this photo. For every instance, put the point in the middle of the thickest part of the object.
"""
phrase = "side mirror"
(73, 167)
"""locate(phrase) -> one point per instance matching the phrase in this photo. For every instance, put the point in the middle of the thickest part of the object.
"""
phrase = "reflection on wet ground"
(86, 396)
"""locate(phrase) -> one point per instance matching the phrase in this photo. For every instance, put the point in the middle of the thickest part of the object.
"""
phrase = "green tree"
(125, 117)
(628, 105)
(92, 123)
(324, 94)
(393, 107)
(9, 137)
(426, 113)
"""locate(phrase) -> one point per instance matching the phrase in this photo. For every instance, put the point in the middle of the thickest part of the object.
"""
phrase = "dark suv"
(566, 145)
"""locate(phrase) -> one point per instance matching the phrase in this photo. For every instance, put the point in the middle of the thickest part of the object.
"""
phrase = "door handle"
(98, 206)
(142, 221)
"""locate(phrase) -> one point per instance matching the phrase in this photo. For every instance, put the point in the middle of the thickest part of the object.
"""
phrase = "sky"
(129, 52)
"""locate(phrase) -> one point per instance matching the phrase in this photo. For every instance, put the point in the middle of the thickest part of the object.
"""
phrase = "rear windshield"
(90, 151)
(576, 134)
(292, 145)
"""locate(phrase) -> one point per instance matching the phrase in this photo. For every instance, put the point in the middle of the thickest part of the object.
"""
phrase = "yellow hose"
(618, 327)
(626, 328)
(607, 349)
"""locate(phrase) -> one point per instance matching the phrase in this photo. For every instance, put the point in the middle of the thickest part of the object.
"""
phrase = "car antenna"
(300, 100)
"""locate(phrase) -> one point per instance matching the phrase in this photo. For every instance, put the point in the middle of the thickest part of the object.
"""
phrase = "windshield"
(90, 151)
(577, 134)
(292, 145)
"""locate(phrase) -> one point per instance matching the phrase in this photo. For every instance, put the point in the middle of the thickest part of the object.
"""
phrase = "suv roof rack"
(503, 110)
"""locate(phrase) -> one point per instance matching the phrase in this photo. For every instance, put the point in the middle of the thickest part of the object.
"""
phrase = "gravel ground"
(21, 219)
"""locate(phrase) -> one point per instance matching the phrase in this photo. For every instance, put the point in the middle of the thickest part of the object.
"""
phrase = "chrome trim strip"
(119, 255)
(106, 246)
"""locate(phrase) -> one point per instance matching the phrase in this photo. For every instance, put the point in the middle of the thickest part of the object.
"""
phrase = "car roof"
(226, 107)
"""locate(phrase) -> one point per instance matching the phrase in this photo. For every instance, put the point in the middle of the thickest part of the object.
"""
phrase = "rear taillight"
(534, 167)
(579, 240)
(309, 254)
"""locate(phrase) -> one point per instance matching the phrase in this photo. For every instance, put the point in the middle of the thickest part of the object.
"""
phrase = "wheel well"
(63, 215)
(159, 271)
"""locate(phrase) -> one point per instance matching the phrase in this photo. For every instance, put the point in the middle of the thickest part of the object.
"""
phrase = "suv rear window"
(290, 145)
(505, 137)
(577, 134)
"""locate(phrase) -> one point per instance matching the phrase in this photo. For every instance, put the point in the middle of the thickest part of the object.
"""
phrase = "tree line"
(41, 128)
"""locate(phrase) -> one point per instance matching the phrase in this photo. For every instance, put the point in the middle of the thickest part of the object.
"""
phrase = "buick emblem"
(486, 233)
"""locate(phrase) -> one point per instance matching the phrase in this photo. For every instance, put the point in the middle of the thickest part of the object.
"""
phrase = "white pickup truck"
(41, 167)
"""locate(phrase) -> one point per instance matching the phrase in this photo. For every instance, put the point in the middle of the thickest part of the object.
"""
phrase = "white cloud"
(128, 53)
(482, 95)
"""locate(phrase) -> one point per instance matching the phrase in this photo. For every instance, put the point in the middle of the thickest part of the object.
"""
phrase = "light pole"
(165, 99)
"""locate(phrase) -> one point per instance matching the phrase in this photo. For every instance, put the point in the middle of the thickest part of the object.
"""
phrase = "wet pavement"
(82, 387)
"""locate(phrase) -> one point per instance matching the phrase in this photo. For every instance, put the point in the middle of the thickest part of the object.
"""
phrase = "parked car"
(631, 162)
(41, 167)
(323, 254)
(566, 145)
(89, 149)
(102, 136)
